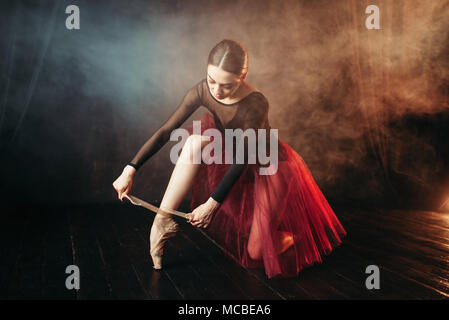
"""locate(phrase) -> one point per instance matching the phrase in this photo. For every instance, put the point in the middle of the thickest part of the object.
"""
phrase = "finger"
(122, 194)
(125, 194)
(200, 224)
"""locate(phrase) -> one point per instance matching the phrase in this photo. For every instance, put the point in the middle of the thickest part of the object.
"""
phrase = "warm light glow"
(445, 205)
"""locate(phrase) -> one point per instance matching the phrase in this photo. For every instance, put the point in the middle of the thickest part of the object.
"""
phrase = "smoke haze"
(366, 109)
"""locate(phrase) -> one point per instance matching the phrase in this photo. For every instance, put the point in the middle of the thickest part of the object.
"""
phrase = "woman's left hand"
(202, 215)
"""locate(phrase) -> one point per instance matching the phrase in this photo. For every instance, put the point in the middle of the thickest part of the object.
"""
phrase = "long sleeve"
(253, 119)
(190, 102)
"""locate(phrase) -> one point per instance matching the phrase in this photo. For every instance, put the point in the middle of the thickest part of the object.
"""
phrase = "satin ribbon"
(139, 202)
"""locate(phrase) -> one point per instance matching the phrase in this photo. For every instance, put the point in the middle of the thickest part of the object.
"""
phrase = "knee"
(194, 144)
(254, 250)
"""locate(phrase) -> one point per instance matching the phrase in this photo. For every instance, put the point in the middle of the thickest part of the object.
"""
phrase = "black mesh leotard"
(249, 112)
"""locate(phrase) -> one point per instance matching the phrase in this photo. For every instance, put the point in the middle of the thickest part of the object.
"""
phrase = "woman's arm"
(254, 119)
(190, 102)
(202, 215)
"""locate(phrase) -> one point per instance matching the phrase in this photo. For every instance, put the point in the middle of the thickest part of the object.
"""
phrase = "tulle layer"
(262, 211)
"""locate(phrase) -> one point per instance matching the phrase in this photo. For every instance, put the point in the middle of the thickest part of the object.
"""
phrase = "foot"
(286, 241)
(164, 228)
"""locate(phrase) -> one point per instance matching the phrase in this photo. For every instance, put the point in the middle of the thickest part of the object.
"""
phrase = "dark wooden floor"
(109, 243)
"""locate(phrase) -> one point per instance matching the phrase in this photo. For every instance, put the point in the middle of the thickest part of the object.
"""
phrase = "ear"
(244, 76)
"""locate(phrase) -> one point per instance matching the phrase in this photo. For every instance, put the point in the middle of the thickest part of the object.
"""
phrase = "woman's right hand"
(124, 182)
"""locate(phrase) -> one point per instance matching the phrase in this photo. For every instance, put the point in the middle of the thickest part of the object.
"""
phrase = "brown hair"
(230, 56)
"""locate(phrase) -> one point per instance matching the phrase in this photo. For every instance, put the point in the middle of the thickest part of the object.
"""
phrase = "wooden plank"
(352, 266)
(239, 276)
(93, 281)
(180, 267)
(116, 263)
(291, 288)
(183, 270)
(426, 270)
(26, 281)
(13, 238)
(431, 219)
(287, 288)
(344, 276)
(437, 239)
(407, 242)
(361, 244)
(131, 227)
(366, 245)
(184, 266)
(210, 276)
(402, 277)
(305, 286)
(57, 256)
(322, 283)
(112, 252)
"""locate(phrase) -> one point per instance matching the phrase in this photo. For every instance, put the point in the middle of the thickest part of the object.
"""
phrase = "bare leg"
(181, 180)
(283, 242)
(261, 224)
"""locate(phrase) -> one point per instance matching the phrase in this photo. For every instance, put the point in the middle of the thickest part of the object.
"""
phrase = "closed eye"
(226, 86)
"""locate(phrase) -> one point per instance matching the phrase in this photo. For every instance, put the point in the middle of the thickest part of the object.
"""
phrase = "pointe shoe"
(286, 241)
(164, 228)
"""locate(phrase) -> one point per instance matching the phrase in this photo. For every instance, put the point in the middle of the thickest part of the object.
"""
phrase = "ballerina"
(280, 222)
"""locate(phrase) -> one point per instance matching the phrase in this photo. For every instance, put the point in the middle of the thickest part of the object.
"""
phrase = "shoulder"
(197, 91)
(199, 85)
(258, 100)
(256, 95)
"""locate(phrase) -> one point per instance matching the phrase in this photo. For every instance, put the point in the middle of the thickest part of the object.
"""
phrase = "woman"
(280, 222)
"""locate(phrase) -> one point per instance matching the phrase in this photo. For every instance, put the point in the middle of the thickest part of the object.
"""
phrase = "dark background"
(366, 109)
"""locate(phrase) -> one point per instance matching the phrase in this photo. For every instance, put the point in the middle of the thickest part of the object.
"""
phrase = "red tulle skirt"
(261, 212)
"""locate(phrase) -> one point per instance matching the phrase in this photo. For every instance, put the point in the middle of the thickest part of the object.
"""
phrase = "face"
(222, 83)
